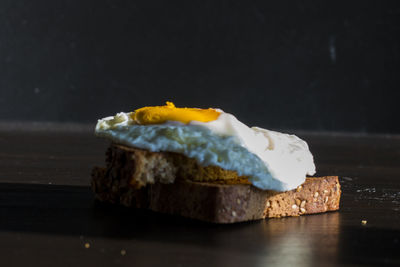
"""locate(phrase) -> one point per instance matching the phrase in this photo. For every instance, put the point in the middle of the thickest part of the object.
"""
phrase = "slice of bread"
(144, 167)
(172, 183)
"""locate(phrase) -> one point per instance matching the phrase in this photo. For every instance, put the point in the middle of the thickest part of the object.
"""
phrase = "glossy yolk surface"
(161, 114)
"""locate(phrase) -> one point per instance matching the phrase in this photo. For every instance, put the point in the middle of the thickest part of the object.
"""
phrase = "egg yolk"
(161, 114)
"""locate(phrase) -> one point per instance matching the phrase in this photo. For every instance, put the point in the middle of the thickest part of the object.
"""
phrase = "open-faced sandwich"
(206, 164)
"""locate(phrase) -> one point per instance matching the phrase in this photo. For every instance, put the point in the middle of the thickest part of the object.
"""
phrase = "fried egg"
(271, 160)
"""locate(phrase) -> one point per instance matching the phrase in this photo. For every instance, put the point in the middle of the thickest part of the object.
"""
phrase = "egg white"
(271, 160)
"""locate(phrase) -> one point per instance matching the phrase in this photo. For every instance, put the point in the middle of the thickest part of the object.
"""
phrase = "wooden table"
(48, 216)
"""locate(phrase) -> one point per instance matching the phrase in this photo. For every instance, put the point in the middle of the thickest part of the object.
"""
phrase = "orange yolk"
(161, 114)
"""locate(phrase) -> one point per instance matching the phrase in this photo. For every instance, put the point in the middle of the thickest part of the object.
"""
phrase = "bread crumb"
(87, 245)
(123, 252)
(294, 206)
(364, 222)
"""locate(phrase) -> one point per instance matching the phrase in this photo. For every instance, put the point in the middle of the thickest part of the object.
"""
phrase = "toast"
(172, 183)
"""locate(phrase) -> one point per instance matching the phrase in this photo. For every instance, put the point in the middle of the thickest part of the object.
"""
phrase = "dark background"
(311, 65)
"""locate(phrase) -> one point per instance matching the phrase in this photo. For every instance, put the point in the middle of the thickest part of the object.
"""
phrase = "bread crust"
(160, 185)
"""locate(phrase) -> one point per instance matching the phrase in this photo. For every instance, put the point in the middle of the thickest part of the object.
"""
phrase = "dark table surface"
(48, 216)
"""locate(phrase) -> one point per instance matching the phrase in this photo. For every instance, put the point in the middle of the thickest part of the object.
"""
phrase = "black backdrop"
(313, 65)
